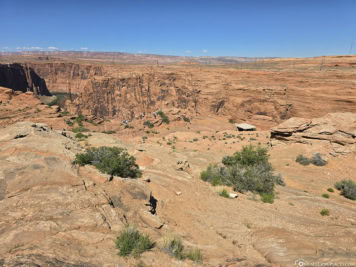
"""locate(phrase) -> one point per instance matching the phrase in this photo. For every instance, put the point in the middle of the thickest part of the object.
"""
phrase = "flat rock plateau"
(56, 213)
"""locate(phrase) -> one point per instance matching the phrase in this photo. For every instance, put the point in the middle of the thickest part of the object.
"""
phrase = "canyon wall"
(264, 97)
(21, 77)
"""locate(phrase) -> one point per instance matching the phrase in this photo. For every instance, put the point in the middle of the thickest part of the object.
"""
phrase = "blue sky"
(281, 28)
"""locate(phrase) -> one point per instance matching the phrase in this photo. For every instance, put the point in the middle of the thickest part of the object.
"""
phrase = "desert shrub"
(80, 129)
(186, 119)
(325, 212)
(223, 193)
(109, 132)
(64, 113)
(80, 120)
(81, 136)
(246, 170)
(131, 241)
(347, 188)
(267, 197)
(195, 255)
(325, 195)
(302, 160)
(69, 122)
(163, 116)
(249, 155)
(148, 124)
(110, 160)
(317, 160)
(214, 175)
(280, 180)
(330, 190)
(232, 121)
(174, 246)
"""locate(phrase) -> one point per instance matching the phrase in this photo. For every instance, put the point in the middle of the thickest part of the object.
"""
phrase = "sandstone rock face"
(50, 214)
(22, 78)
(338, 129)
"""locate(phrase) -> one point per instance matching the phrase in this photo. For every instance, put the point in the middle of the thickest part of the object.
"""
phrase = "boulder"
(339, 129)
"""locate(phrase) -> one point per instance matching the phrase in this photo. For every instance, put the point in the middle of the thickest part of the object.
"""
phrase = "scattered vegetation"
(325, 212)
(316, 160)
(148, 124)
(81, 136)
(330, 190)
(347, 188)
(163, 116)
(173, 245)
(110, 160)
(131, 242)
(64, 113)
(325, 195)
(69, 122)
(195, 255)
(80, 129)
(232, 121)
(246, 170)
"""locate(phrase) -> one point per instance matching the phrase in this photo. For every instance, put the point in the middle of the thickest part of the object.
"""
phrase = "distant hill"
(134, 58)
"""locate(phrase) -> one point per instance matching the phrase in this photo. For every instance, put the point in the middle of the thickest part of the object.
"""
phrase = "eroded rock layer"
(22, 78)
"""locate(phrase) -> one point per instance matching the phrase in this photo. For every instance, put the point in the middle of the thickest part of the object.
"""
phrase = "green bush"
(325, 195)
(330, 190)
(232, 121)
(267, 197)
(325, 212)
(186, 119)
(148, 124)
(163, 116)
(347, 188)
(110, 160)
(246, 170)
(131, 241)
(248, 156)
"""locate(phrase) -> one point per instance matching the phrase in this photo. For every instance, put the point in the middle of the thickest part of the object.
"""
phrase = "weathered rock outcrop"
(339, 129)
(22, 78)
(52, 213)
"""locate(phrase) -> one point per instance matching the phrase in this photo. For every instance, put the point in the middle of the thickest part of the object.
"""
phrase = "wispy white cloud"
(52, 48)
(205, 51)
(188, 51)
(140, 51)
(84, 48)
(29, 48)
